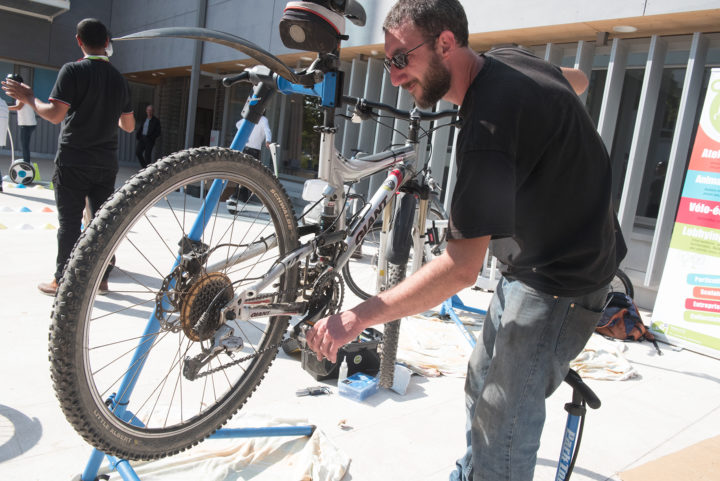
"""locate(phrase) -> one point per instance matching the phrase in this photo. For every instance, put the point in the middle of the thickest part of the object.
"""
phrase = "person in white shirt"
(4, 119)
(260, 132)
(26, 120)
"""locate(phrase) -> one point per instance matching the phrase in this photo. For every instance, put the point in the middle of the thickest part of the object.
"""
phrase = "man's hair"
(432, 17)
(92, 32)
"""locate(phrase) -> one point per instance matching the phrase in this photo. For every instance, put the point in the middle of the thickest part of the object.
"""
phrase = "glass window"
(661, 138)
(624, 129)
(596, 89)
(43, 82)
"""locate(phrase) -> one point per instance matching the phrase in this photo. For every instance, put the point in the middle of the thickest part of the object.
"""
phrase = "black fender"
(400, 238)
(208, 35)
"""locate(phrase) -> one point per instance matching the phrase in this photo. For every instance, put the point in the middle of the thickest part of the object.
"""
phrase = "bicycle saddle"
(352, 10)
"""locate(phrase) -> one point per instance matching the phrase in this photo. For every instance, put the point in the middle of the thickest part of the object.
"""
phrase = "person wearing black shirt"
(533, 182)
(91, 99)
(146, 135)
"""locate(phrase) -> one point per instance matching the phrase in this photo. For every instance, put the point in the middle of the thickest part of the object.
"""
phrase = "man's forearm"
(455, 269)
(430, 286)
(51, 111)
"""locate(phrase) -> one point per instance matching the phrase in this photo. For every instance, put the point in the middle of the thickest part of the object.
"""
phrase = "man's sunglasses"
(400, 60)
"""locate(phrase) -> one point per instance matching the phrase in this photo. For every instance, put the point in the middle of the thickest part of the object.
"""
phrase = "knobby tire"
(93, 338)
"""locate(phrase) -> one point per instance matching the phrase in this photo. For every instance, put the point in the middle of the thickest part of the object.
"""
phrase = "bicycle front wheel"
(361, 272)
(120, 362)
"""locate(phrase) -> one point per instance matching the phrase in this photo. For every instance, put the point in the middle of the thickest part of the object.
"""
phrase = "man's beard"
(435, 84)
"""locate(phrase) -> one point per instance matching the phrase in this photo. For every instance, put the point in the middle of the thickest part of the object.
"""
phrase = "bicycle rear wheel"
(119, 362)
(621, 283)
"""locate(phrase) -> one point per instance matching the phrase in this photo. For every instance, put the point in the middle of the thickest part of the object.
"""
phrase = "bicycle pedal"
(313, 391)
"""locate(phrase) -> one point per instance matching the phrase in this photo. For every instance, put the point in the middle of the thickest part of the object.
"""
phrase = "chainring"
(327, 295)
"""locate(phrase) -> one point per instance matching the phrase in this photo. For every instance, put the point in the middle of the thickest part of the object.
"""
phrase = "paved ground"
(674, 403)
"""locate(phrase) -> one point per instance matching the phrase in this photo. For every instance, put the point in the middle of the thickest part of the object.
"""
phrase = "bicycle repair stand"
(448, 309)
(576, 409)
(122, 466)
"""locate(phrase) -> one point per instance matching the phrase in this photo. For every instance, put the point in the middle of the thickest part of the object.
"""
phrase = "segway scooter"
(21, 172)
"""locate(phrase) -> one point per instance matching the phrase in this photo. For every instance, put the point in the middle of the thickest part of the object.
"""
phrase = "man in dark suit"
(146, 135)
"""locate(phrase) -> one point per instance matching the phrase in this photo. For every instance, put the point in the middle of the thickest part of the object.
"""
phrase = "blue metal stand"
(127, 473)
(448, 309)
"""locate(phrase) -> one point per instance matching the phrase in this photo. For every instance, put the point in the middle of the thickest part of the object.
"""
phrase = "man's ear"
(446, 42)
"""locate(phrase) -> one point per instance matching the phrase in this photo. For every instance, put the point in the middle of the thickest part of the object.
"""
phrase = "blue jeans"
(26, 132)
(528, 340)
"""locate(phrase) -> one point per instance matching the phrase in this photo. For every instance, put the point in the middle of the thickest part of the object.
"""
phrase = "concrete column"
(351, 134)
(366, 137)
(583, 62)
(452, 177)
(439, 158)
(404, 102)
(613, 91)
(383, 131)
(678, 156)
(195, 76)
(641, 135)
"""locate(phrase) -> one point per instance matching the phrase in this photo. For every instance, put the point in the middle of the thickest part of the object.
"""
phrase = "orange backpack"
(621, 320)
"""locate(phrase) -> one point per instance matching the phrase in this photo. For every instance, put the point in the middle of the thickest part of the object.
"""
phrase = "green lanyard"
(97, 57)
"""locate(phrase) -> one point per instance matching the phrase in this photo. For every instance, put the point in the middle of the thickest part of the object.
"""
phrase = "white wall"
(257, 21)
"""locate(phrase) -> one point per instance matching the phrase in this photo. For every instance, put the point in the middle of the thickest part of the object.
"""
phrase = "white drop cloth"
(433, 347)
(286, 458)
(603, 359)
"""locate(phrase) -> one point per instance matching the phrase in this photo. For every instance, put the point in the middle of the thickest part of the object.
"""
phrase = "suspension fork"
(418, 235)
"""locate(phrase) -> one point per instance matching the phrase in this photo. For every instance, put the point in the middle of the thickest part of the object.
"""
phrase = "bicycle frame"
(334, 169)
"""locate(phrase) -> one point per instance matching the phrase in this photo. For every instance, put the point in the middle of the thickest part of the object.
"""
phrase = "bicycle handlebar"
(365, 106)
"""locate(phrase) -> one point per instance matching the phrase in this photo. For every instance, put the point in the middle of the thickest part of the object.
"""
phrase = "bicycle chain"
(268, 295)
(246, 358)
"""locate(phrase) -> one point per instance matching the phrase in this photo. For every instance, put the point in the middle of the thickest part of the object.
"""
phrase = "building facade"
(648, 63)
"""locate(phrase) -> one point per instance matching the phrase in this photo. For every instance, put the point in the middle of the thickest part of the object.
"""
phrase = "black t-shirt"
(97, 95)
(534, 174)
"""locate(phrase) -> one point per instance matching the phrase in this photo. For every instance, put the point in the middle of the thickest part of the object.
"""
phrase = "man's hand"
(331, 333)
(54, 111)
(19, 91)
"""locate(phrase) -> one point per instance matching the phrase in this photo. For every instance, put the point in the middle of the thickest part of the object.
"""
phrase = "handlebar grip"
(579, 386)
(228, 81)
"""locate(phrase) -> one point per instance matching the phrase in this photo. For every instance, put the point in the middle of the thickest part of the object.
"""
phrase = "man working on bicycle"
(534, 181)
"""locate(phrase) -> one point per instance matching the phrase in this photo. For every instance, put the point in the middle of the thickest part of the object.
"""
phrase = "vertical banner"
(687, 310)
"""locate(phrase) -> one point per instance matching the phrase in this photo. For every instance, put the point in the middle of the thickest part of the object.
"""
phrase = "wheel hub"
(199, 299)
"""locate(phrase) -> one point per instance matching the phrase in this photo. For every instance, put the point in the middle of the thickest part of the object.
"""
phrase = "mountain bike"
(201, 298)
